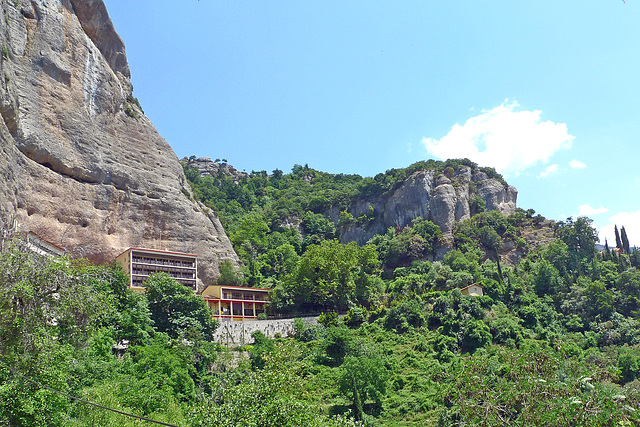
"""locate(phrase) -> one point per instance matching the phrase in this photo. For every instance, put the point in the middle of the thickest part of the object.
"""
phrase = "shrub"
(475, 334)
(329, 319)
(130, 112)
(404, 315)
(261, 346)
(355, 317)
(629, 367)
(336, 344)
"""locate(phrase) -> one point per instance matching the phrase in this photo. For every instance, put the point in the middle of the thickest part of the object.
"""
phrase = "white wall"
(231, 333)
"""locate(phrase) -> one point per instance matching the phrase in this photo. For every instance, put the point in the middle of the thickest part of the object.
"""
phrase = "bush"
(506, 331)
(329, 319)
(355, 317)
(336, 344)
(261, 346)
(475, 334)
(405, 315)
(299, 327)
(629, 367)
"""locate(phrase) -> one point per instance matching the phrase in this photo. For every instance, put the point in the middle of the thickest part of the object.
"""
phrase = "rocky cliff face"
(207, 167)
(80, 163)
(431, 196)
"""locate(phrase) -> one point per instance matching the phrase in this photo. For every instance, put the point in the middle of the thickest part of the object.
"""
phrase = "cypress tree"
(618, 241)
(606, 255)
(625, 241)
(634, 259)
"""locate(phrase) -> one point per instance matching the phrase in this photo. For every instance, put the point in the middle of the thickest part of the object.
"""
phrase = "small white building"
(473, 290)
(30, 241)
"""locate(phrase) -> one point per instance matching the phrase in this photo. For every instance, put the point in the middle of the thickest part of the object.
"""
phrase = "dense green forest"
(555, 340)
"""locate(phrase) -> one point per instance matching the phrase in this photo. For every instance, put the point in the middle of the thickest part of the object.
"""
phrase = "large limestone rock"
(432, 196)
(207, 167)
(74, 166)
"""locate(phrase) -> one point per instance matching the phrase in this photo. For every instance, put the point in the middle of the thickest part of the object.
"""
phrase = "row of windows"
(187, 282)
(244, 296)
(237, 310)
(162, 261)
(139, 282)
(174, 274)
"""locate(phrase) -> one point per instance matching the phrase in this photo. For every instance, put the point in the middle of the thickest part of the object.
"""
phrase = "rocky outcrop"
(205, 166)
(432, 196)
(535, 235)
(80, 164)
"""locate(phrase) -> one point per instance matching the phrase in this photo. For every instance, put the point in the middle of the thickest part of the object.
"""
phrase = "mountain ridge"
(445, 192)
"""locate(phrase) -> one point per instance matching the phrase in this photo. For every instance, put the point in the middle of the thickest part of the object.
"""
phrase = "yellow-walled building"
(236, 302)
(226, 302)
(473, 290)
(140, 263)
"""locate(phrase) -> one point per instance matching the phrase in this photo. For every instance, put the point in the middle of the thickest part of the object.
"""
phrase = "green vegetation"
(134, 101)
(413, 243)
(176, 311)
(330, 275)
(130, 111)
(68, 328)
(129, 107)
(277, 223)
(555, 340)
(279, 196)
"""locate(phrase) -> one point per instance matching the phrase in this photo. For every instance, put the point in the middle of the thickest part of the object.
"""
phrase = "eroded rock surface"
(432, 196)
(74, 166)
(206, 167)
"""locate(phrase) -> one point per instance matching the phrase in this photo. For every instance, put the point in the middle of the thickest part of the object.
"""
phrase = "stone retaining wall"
(231, 333)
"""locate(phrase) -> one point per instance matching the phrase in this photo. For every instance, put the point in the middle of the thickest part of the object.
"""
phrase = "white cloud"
(577, 164)
(631, 223)
(550, 170)
(587, 210)
(504, 138)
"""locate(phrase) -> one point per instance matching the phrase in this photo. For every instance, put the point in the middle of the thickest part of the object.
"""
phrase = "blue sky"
(546, 92)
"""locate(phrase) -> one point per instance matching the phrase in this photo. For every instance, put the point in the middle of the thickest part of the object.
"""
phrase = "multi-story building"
(140, 263)
(30, 241)
(236, 302)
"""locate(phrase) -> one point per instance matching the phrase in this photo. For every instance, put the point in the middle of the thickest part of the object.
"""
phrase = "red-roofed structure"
(236, 302)
(473, 290)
